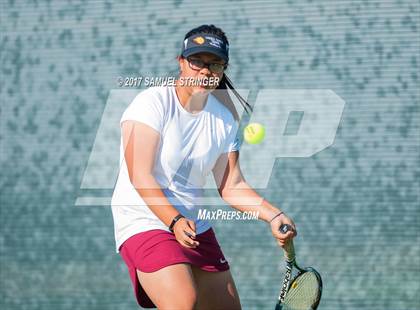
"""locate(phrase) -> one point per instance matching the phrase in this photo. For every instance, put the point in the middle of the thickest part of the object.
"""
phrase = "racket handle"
(289, 248)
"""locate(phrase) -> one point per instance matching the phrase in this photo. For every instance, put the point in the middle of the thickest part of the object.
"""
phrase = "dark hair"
(225, 82)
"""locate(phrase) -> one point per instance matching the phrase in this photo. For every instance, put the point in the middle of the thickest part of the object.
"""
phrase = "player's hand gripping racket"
(303, 290)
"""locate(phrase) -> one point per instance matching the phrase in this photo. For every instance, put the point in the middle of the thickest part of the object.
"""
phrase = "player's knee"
(187, 300)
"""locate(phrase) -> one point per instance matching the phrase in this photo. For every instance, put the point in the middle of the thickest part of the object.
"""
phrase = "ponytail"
(222, 94)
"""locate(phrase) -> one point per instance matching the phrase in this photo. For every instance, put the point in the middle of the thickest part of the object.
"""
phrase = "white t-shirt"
(189, 147)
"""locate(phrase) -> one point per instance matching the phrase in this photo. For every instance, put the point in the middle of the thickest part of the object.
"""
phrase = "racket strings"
(303, 292)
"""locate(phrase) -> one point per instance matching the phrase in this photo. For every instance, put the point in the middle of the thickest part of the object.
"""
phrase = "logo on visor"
(199, 40)
(216, 42)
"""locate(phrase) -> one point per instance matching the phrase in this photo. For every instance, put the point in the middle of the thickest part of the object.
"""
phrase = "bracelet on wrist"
(277, 215)
(175, 219)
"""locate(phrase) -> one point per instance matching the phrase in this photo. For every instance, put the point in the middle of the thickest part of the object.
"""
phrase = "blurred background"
(356, 203)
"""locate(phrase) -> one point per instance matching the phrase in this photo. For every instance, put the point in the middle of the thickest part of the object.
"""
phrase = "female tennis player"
(173, 136)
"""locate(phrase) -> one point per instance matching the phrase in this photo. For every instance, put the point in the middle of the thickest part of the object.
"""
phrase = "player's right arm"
(140, 143)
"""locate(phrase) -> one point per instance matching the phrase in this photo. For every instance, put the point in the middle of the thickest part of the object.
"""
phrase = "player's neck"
(193, 103)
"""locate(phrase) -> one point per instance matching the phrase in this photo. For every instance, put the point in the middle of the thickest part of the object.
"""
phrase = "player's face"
(201, 67)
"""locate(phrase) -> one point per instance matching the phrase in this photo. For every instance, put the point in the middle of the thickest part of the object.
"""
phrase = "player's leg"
(216, 290)
(171, 287)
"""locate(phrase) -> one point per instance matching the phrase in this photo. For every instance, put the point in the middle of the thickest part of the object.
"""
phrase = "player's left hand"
(275, 225)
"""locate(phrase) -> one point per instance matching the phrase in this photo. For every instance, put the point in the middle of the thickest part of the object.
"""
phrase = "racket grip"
(289, 251)
(289, 248)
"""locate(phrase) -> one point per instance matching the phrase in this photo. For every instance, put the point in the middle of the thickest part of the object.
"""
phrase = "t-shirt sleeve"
(146, 109)
(233, 141)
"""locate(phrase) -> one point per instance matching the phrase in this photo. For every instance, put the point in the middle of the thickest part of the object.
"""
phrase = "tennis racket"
(303, 290)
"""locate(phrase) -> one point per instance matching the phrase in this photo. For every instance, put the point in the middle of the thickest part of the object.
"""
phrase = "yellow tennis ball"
(254, 133)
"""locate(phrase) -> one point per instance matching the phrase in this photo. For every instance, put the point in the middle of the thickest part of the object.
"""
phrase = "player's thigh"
(172, 287)
(216, 290)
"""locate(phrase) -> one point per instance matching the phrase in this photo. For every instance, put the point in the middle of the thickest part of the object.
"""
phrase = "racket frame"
(290, 258)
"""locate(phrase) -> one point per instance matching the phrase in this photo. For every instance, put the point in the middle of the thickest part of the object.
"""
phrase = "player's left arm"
(235, 191)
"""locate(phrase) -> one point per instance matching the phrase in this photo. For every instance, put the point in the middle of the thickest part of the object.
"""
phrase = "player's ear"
(181, 62)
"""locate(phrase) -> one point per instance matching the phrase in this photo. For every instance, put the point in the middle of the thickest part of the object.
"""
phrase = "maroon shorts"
(154, 249)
